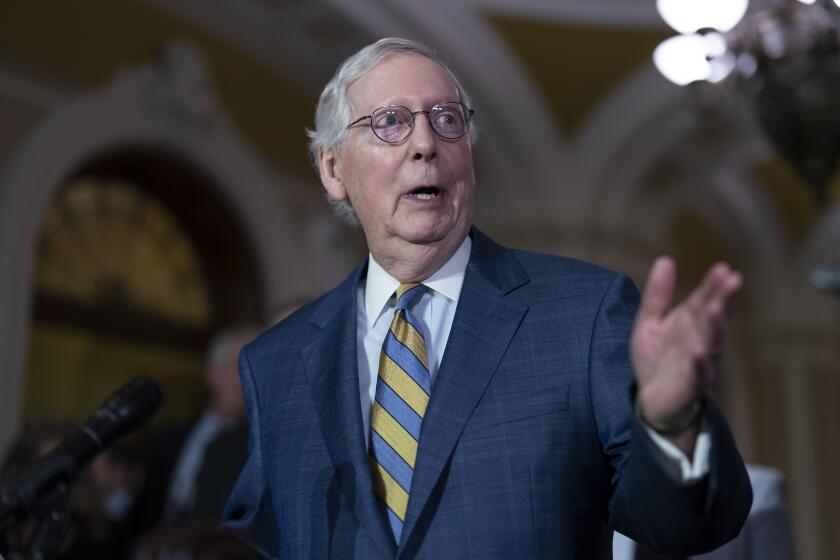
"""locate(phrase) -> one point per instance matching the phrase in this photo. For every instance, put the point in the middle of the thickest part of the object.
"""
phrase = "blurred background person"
(191, 469)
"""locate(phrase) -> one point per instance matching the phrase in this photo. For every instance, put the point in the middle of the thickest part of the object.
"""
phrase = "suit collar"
(447, 280)
(334, 301)
(332, 369)
(495, 266)
(485, 322)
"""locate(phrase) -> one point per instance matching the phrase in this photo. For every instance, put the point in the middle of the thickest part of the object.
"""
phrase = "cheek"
(375, 187)
(460, 164)
(464, 176)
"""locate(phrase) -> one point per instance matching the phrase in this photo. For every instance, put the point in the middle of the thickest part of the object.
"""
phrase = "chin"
(427, 235)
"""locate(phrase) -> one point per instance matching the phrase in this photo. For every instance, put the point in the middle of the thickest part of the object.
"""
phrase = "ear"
(330, 169)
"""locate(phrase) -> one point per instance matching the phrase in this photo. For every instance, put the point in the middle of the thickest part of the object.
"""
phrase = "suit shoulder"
(567, 272)
(535, 260)
(297, 329)
(288, 333)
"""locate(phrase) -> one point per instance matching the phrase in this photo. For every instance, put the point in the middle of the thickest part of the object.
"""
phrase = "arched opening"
(138, 262)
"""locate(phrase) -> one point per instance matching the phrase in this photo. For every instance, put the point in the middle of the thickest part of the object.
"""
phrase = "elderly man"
(456, 399)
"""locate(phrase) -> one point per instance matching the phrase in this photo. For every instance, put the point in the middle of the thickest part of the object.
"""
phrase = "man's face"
(415, 194)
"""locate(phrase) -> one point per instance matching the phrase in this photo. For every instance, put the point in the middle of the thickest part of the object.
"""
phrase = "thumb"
(659, 289)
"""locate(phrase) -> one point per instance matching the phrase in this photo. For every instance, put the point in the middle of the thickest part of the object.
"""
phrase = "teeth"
(425, 196)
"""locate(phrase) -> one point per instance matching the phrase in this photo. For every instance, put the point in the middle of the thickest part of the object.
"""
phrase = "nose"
(423, 139)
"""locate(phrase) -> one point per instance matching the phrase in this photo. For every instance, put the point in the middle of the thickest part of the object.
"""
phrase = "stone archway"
(170, 105)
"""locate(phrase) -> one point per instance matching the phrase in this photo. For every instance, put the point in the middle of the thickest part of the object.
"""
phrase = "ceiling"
(524, 60)
(564, 90)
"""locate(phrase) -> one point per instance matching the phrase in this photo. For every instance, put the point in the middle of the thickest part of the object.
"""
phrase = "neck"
(409, 262)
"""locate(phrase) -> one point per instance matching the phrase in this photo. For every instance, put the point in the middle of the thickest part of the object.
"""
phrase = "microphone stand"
(53, 515)
(43, 489)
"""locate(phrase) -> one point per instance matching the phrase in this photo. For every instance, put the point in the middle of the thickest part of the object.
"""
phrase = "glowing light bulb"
(688, 16)
(691, 58)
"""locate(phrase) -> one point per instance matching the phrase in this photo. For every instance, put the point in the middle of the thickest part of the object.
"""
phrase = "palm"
(674, 348)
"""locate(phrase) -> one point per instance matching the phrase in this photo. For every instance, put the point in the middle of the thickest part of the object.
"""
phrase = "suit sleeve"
(249, 510)
(648, 502)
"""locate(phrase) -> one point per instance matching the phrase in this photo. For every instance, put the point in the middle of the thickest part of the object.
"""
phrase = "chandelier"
(784, 55)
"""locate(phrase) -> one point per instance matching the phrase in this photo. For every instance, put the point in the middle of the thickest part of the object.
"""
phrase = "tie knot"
(409, 294)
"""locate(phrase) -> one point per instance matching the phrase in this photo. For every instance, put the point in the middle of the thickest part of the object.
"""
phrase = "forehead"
(406, 79)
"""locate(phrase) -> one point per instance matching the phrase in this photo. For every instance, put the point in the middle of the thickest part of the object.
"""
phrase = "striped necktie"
(402, 393)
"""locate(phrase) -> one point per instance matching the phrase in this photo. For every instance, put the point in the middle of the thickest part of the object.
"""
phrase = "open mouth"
(425, 193)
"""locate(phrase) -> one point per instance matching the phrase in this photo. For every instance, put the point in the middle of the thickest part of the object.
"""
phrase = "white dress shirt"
(182, 487)
(375, 310)
(436, 310)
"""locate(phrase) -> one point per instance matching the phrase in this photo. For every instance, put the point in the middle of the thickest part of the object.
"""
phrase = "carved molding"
(168, 104)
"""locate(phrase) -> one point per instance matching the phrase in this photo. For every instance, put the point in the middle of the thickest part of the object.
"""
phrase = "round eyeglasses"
(394, 123)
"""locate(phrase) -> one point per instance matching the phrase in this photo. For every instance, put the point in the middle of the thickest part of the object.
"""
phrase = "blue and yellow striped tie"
(402, 393)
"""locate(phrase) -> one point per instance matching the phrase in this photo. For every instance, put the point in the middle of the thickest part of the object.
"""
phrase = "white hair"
(335, 111)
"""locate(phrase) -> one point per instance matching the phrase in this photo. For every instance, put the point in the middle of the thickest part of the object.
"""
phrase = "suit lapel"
(331, 366)
(485, 322)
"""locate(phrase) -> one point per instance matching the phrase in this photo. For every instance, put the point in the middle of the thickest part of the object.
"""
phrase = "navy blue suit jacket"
(529, 447)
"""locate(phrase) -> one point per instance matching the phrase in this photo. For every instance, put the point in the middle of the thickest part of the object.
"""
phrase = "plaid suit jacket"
(529, 447)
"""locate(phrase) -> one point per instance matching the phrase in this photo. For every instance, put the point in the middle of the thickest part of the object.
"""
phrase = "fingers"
(659, 289)
(678, 347)
(710, 306)
(699, 324)
(715, 290)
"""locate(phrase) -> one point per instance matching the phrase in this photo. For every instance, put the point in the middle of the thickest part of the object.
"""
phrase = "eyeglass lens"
(394, 123)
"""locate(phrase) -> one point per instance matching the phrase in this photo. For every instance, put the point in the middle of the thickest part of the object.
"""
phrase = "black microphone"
(125, 410)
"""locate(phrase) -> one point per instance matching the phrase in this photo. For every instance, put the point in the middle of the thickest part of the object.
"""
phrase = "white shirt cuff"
(698, 466)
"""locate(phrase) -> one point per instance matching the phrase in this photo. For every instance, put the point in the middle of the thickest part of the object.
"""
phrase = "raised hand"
(675, 348)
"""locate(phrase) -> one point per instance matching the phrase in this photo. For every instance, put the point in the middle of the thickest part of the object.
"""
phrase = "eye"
(386, 120)
(447, 119)
(448, 122)
(391, 124)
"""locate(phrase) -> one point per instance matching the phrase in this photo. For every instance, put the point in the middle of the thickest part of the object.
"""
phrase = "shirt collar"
(447, 281)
